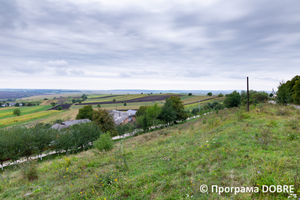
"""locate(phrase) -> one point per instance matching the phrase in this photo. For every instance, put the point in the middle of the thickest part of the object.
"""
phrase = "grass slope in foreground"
(232, 148)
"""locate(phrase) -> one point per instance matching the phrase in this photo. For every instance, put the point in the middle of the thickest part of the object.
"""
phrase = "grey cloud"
(124, 75)
(157, 39)
(61, 72)
(77, 72)
(10, 17)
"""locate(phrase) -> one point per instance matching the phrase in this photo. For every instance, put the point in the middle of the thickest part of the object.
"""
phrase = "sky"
(141, 44)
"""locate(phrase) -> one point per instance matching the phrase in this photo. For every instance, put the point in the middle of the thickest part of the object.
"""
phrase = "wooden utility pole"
(247, 94)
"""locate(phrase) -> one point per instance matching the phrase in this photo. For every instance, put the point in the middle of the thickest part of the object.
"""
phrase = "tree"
(190, 94)
(85, 113)
(152, 113)
(17, 112)
(284, 95)
(98, 105)
(125, 104)
(105, 120)
(271, 95)
(17, 104)
(53, 104)
(209, 94)
(45, 99)
(220, 95)
(168, 114)
(59, 108)
(42, 137)
(73, 101)
(233, 99)
(141, 111)
(290, 84)
(83, 97)
(114, 100)
(179, 108)
(296, 92)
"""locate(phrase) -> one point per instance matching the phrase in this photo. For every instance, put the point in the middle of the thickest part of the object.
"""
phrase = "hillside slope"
(231, 148)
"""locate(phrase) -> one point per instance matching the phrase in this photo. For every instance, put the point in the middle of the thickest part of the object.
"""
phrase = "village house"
(123, 117)
(66, 124)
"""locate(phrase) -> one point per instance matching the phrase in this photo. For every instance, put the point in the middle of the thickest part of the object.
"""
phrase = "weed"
(29, 170)
(283, 111)
(264, 138)
(104, 142)
(120, 157)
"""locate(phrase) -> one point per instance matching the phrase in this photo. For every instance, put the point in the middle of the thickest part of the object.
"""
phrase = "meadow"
(229, 148)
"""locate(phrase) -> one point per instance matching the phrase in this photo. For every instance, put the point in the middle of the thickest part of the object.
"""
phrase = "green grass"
(233, 148)
(6, 113)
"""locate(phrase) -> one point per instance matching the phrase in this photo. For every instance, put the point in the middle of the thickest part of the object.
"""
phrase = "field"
(25, 118)
(15, 95)
(233, 148)
(8, 111)
(133, 101)
(191, 106)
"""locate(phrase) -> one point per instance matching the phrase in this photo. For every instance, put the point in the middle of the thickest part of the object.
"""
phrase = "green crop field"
(117, 98)
(196, 99)
(8, 112)
(233, 148)
(26, 118)
(202, 103)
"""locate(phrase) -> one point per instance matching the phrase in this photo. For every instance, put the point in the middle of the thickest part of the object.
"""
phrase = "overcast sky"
(140, 44)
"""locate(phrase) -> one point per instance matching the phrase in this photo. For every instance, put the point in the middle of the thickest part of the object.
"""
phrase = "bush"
(104, 142)
(233, 99)
(59, 108)
(29, 171)
(17, 112)
(220, 95)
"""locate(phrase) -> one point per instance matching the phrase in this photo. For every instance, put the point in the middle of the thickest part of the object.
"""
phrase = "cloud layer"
(96, 44)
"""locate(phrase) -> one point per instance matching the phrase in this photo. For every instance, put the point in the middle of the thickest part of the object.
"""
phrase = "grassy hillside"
(232, 148)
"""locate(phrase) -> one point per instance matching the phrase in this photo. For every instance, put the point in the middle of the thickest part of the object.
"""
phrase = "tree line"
(19, 141)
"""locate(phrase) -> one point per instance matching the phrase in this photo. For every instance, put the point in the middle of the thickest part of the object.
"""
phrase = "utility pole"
(247, 93)
(199, 108)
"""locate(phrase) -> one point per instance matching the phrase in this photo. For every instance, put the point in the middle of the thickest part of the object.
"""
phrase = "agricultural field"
(116, 97)
(133, 101)
(231, 148)
(195, 99)
(26, 118)
(8, 111)
(191, 106)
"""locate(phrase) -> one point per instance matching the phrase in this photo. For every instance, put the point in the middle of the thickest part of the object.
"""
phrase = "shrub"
(104, 142)
(59, 108)
(29, 171)
(17, 112)
(233, 99)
